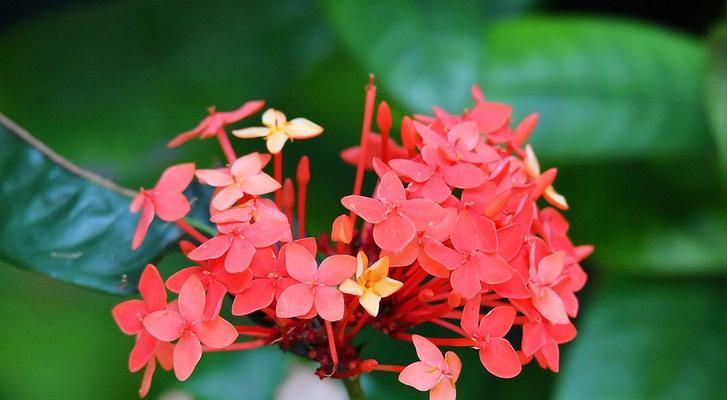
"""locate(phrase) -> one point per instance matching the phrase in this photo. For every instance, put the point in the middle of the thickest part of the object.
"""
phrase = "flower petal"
(436, 189)
(413, 170)
(226, 197)
(465, 281)
(272, 118)
(246, 166)
(146, 378)
(151, 287)
(128, 316)
(301, 128)
(420, 376)
(300, 263)
(187, 354)
(370, 302)
(492, 268)
(498, 321)
(143, 351)
(349, 286)
(170, 206)
(215, 295)
(261, 183)
(551, 306)
(550, 267)
(464, 176)
(244, 111)
(216, 333)
(371, 210)
(328, 303)
(259, 295)
(191, 300)
(424, 213)
(394, 233)
(427, 351)
(390, 189)
(263, 262)
(239, 256)
(533, 338)
(295, 301)
(214, 177)
(444, 390)
(176, 178)
(336, 268)
(213, 248)
(147, 216)
(252, 132)
(471, 315)
(500, 359)
(176, 281)
(276, 142)
(165, 325)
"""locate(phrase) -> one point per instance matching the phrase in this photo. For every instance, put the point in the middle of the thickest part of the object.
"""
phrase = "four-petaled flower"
(314, 294)
(278, 130)
(216, 120)
(496, 353)
(396, 218)
(245, 176)
(372, 283)
(435, 372)
(188, 326)
(165, 200)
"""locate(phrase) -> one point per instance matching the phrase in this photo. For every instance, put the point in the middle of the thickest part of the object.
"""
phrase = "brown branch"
(56, 158)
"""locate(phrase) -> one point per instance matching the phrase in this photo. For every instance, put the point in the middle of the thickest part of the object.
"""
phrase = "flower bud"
(342, 229)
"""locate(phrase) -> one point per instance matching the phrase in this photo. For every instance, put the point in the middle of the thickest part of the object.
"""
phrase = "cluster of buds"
(452, 237)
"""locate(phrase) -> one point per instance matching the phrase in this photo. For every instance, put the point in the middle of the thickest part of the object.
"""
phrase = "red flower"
(215, 121)
(396, 218)
(188, 326)
(165, 200)
(434, 372)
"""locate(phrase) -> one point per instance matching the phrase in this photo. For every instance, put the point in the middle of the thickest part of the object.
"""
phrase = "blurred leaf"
(73, 228)
(604, 89)
(649, 340)
(108, 84)
(253, 374)
(716, 91)
(649, 218)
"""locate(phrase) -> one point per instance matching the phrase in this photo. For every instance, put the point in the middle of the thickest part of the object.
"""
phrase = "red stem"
(302, 192)
(389, 368)
(191, 231)
(278, 174)
(365, 129)
(238, 346)
(448, 325)
(253, 330)
(359, 324)
(332, 345)
(226, 146)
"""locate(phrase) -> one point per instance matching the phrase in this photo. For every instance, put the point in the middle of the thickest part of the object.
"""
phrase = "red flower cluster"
(454, 229)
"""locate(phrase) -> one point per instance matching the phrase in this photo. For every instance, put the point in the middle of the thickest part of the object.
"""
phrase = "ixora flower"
(165, 200)
(278, 130)
(452, 238)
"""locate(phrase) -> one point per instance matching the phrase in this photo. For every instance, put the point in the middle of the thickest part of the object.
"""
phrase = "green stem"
(353, 387)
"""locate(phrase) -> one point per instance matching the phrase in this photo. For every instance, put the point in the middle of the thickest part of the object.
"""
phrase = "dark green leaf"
(716, 92)
(604, 89)
(649, 340)
(73, 228)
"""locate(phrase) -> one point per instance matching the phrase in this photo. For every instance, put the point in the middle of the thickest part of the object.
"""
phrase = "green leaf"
(603, 88)
(716, 92)
(67, 223)
(649, 340)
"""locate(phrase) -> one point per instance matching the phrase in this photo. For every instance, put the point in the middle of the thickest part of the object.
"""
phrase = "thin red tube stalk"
(365, 129)
(238, 346)
(389, 368)
(226, 146)
(332, 345)
(191, 231)
(278, 175)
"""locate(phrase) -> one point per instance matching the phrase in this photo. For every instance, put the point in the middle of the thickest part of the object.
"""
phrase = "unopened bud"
(342, 229)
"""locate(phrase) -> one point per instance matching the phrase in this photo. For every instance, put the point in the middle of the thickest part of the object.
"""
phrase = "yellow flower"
(371, 284)
(278, 130)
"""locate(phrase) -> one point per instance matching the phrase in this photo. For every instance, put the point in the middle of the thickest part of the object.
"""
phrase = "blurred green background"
(633, 104)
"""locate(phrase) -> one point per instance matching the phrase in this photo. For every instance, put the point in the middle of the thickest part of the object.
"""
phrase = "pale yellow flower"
(278, 130)
(371, 284)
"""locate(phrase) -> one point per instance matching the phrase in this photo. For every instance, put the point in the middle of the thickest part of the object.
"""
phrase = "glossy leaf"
(603, 88)
(649, 340)
(716, 92)
(71, 227)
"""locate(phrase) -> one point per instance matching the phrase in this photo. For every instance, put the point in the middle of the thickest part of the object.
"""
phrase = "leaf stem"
(353, 388)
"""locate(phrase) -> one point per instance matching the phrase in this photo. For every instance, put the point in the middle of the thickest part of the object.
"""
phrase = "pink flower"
(396, 218)
(245, 176)
(314, 293)
(237, 241)
(541, 338)
(215, 121)
(165, 200)
(434, 372)
(129, 314)
(271, 278)
(496, 353)
(545, 273)
(215, 280)
(188, 326)
(474, 258)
